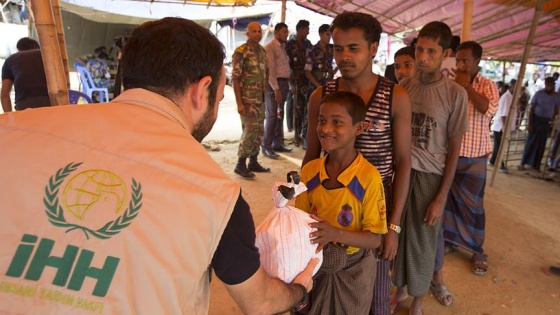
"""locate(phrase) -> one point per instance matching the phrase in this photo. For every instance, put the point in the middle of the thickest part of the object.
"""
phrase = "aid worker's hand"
(305, 277)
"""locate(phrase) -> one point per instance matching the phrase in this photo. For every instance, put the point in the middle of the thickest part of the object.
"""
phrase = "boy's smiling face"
(335, 128)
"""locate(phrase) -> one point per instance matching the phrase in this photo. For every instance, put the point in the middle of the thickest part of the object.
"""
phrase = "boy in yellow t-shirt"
(345, 195)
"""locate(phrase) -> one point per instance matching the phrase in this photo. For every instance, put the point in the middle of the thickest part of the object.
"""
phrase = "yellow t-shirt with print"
(358, 206)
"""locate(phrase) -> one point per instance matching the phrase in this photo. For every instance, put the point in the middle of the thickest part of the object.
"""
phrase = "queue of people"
(392, 170)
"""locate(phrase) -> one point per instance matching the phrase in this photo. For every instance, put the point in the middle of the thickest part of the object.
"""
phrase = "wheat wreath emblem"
(55, 212)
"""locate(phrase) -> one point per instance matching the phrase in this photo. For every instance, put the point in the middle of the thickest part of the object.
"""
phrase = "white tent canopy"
(136, 12)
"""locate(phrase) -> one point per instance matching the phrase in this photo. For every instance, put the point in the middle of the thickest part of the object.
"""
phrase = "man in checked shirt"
(464, 215)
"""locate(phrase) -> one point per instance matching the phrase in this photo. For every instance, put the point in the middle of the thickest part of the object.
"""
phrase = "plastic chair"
(88, 87)
(75, 96)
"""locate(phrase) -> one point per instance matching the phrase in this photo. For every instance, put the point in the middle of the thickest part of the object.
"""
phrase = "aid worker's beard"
(204, 126)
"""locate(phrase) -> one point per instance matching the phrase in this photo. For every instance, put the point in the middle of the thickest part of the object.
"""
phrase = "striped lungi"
(380, 304)
(344, 283)
(414, 265)
(464, 217)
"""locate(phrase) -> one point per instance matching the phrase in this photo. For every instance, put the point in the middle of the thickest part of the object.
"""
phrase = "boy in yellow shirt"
(345, 195)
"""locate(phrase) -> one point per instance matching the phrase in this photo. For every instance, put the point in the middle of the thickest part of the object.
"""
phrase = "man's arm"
(311, 78)
(313, 145)
(402, 115)
(480, 102)
(530, 117)
(261, 294)
(435, 210)
(236, 262)
(326, 233)
(235, 79)
(271, 53)
(238, 98)
(5, 95)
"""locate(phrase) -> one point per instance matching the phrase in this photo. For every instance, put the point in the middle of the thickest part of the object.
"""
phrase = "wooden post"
(283, 16)
(52, 59)
(61, 39)
(506, 130)
(467, 20)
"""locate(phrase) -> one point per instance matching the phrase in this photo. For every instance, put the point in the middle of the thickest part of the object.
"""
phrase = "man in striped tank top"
(387, 141)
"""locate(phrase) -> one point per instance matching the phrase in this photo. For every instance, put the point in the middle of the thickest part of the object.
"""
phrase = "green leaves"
(55, 213)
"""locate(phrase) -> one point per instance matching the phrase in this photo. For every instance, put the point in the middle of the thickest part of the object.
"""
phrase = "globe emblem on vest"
(94, 191)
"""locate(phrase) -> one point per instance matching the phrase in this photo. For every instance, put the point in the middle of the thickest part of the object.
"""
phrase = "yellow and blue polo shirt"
(358, 206)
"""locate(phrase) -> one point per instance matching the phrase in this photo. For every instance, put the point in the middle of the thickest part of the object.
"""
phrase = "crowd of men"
(160, 216)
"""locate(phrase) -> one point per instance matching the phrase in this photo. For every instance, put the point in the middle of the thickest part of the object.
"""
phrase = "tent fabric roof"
(500, 26)
(136, 12)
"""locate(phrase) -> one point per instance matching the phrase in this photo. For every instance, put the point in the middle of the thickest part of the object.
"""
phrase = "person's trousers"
(290, 110)
(274, 113)
(496, 148)
(300, 106)
(253, 129)
(536, 142)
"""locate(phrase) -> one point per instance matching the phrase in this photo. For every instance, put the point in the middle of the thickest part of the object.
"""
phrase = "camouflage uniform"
(299, 86)
(250, 67)
(321, 63)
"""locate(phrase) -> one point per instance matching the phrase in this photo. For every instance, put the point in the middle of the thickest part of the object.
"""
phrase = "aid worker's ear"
(200, 94)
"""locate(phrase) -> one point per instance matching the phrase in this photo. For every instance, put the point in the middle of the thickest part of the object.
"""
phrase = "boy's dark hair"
(439, 32)
(475, 48)
(370, 25)
(407, 50)
(26, 43)
(324, 28)
(353, 103)
(549, 80)
(280, 26)
(302, 24)
(192, 52)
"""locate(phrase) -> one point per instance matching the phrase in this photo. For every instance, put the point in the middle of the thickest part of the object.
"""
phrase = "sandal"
(450, 248)
(479, 264)
(442, 294)
(396, 304)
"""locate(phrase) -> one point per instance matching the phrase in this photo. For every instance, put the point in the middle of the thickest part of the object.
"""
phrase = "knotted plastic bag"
(283, 236)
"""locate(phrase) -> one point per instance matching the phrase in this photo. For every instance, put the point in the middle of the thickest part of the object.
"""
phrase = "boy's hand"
(434, 212)
(389, 245)
(326, 233)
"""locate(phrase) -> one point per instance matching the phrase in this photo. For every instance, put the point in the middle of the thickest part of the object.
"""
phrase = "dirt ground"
(522, 234)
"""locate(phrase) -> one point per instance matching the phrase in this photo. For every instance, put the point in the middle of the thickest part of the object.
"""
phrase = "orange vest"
(108, 209)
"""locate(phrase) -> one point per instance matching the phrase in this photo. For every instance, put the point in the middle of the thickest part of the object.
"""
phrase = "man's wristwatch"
(395, 228)
(303, 303)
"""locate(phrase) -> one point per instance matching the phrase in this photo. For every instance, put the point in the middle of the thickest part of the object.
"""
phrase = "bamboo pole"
(467, 20)
(61, 39)
(31, 22)
(52, 60)
(506, 130)
(283, 16)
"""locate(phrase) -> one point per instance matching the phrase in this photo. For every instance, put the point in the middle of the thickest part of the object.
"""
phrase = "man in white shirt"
(535, 84)
(276, 93)
(497, 127)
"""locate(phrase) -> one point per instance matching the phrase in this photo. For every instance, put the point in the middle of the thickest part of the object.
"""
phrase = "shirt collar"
(477, 78)
(155, 102)
(347, 175)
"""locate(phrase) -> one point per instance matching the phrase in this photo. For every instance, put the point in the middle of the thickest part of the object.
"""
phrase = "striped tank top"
(376, 144)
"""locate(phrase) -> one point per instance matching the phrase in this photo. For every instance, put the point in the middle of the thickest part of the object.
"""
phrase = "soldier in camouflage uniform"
(298, 49)
(250, 75)
(319, 67)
